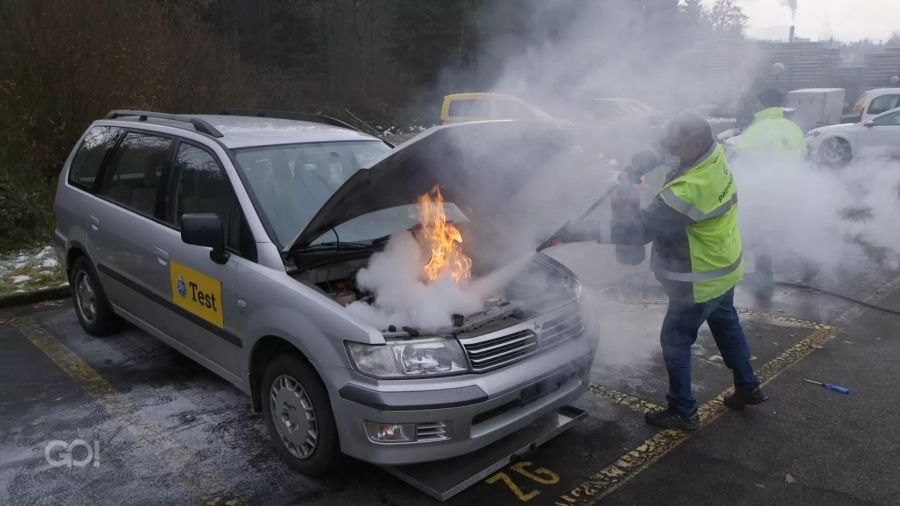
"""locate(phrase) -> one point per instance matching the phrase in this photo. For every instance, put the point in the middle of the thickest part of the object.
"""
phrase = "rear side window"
(470, 108)
(133, 176)
(884, 103)
(98, 141)
(202, 187)
(508, 109)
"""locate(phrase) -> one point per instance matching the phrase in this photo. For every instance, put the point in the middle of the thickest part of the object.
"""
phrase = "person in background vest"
(771, 136)
(769, 139)
(697, 256)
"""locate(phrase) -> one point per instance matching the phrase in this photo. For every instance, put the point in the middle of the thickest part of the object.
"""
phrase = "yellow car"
(461, 107)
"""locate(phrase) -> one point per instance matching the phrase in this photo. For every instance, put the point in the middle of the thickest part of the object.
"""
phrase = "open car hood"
(475, 164)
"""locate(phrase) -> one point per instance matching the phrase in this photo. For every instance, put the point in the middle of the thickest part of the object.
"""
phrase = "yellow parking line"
(623, 399)
(807, 324)
(171, 453)
(643, 406)
(629, 465)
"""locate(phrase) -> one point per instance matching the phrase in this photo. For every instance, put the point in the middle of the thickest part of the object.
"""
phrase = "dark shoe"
(741, 398)
(669, 419)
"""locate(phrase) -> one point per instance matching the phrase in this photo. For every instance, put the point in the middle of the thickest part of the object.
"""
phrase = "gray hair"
(690, 128)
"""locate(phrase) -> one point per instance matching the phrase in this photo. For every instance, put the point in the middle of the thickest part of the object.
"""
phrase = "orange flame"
(442, 239)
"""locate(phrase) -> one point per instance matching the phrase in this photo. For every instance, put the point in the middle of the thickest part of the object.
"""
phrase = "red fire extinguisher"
(626, 204)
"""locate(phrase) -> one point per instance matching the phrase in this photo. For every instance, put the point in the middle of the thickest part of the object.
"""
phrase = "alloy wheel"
(836, 152)
(294, 416)
(85, 296)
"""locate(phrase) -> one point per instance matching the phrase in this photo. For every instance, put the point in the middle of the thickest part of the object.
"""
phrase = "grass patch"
(30, 269)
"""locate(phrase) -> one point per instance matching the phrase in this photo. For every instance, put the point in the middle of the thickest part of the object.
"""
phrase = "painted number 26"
(540, 475)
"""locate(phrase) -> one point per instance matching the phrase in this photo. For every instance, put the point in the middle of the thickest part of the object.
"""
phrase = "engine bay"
(540, 285)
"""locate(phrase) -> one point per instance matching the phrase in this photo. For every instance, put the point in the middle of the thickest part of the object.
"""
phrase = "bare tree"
(894, 41)
(727, 18)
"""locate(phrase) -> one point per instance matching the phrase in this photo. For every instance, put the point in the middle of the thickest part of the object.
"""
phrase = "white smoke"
(402, 298)
(835, 221)
(572, 52)
(792, 5)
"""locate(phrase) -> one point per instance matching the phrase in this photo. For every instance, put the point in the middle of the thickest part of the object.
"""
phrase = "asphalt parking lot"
(168, 431)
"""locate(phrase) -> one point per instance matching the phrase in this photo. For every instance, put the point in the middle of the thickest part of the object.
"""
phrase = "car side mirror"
(205, 229)
(869, 124)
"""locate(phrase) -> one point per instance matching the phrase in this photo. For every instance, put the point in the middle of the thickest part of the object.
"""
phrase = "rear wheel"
(298, 414)
(91, 305)
(835, 152)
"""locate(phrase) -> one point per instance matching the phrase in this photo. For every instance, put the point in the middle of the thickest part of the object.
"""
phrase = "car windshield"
(292, 182)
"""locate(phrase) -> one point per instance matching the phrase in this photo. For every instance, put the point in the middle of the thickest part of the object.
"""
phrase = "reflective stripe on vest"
(686, 208)
(692, 277)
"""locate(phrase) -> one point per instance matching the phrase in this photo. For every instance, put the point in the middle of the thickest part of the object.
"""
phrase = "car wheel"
(91, 305)
(835, 152)
(298, 414)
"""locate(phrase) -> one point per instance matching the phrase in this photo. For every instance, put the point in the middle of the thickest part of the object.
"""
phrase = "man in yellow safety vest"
(770, 139)
(697, 255)
(771, 135)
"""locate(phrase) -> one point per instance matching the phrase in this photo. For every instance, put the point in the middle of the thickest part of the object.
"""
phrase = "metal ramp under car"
(444, 479)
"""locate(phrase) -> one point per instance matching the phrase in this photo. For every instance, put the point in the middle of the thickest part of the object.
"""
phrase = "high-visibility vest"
(705, 193)
(773, 136)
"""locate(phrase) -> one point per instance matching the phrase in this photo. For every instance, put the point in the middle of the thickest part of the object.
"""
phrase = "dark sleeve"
(587, 230)
(658, 219)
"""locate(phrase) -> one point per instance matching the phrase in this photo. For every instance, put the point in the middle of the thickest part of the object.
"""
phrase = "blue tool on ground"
(829, 386)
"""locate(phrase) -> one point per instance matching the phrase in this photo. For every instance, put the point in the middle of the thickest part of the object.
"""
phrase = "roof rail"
(200, 125)
(301, 116)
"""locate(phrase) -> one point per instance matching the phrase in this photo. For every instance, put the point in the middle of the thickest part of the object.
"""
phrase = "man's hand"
(641, 163)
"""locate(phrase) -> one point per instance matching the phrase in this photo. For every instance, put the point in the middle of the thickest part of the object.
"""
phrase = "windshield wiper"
(381, 240)
(339, 246)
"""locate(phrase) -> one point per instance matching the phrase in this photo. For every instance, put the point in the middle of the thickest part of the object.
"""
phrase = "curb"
(21, 299)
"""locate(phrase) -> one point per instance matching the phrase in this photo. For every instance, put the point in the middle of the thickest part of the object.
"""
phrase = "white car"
(836, 145)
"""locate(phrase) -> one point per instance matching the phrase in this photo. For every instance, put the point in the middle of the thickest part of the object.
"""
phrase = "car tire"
(835, 152)
(95, 314)
(309, 443)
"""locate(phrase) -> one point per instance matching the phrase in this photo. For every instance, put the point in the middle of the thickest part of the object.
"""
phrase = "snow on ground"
(31, 269)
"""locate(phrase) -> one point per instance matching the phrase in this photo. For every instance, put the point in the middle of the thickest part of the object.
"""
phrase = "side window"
(470, 108)
(133, 177)
(508, 109)
(888, 120)
(203, 188)
(86, 164)
(883, 103)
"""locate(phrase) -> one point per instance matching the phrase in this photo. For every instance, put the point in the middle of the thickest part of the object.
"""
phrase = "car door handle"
(162, 256)
(95, 222)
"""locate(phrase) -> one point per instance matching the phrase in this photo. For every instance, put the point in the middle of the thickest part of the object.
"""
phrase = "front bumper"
(477, 409)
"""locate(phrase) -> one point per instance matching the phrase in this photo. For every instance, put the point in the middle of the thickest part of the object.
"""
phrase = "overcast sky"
(822, 19)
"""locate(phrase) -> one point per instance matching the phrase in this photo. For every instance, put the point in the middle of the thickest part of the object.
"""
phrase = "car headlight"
(412, 358)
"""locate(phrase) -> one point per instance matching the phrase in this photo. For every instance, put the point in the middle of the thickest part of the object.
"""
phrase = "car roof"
(482, 95)
(248, 131)
(882, 91)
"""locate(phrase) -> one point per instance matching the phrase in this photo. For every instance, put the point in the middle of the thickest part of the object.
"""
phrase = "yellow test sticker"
(197, 293)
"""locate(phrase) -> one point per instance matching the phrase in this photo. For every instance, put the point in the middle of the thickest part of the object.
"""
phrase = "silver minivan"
(236, 240)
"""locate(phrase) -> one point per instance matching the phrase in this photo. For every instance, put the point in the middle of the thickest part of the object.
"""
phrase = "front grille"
(568, 325)
(492, 351)
(432, 431)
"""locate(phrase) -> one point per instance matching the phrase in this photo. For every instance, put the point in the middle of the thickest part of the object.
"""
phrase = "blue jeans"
(679, 331)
